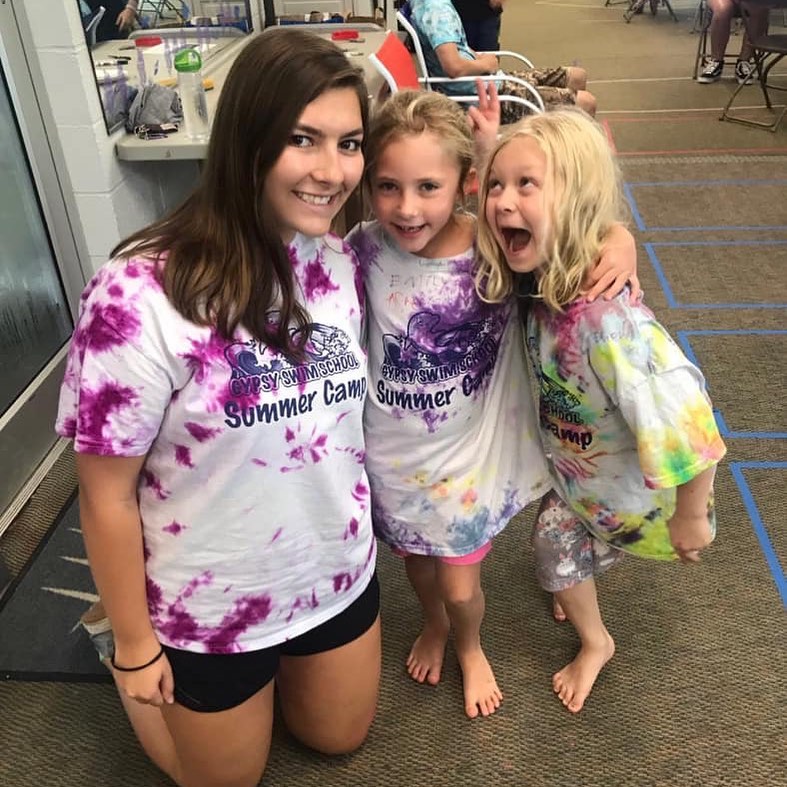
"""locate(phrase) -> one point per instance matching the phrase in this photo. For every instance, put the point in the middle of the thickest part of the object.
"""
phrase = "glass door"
(39, 279)
(34, 317)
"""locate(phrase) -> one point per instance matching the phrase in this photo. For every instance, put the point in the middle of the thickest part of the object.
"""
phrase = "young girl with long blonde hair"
(625, 419)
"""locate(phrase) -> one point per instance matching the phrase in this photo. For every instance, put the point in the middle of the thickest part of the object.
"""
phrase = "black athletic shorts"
(210, 682)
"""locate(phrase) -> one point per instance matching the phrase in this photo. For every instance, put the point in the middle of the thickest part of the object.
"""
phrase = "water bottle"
(188, 64)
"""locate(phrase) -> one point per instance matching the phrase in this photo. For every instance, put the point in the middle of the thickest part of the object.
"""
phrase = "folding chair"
(638, 6)
(768, 51)
(156, 9)
(402, 16)
(395, 63)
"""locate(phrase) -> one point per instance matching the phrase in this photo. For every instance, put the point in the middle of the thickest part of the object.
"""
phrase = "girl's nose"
(407, 204)
(328, 169)
(505, 201)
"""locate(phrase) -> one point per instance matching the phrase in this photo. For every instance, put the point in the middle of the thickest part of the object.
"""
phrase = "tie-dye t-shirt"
(624, 418)
(452, 443)
(253, 496)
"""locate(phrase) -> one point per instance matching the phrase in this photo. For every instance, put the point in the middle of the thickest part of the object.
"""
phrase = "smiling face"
(319, 167)
(515, 206)
(414, 187)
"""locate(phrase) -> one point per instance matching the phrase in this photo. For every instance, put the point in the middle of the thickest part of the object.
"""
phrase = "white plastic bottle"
(188, 64)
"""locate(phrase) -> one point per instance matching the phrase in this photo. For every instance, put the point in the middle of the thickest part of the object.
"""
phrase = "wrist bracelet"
(141, 666)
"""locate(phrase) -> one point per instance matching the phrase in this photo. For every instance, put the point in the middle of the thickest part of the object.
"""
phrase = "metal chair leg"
(763, 69)
(669, 8)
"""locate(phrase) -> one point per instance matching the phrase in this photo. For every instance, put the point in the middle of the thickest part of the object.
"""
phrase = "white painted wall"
(107, 199)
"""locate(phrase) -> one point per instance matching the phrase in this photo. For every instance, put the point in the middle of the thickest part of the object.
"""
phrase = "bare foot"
(425, 661)
(482, 694)
(574, 682)
(558, 613)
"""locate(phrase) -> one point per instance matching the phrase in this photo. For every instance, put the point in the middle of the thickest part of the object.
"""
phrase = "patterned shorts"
(550, 83)
(566, 551)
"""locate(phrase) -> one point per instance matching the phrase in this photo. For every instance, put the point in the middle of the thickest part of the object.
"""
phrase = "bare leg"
(576, 78)
(425, 661)
(720, 27)
(574, 682)
(758, 24)
(223, 749)
(329, 699)
(152, 733)
(201, 733)
(460, 588)
(180, 763)
(586, 101)
(146, 720)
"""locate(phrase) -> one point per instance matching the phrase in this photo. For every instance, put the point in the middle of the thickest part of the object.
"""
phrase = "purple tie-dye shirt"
(253, 495)
(452, 442)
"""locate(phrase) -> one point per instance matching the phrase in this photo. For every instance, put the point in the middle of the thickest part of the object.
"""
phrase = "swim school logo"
(431, 351)
(560, 414)
(257, 369)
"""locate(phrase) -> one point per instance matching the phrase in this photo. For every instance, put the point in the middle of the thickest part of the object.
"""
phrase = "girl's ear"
(470, 186)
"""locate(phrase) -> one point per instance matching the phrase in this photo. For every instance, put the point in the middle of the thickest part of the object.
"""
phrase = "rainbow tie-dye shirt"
(452, 442)
(253, 495)
(625, 418)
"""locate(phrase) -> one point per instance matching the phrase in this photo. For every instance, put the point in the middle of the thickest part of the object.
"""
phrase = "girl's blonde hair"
(410, 113)
(583, 199)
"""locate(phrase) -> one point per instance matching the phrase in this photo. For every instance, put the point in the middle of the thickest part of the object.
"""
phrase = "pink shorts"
(461, 560)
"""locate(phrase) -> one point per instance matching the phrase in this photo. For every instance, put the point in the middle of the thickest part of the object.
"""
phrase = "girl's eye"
(523, 182)
(493, 186)
(430, 186)
(386, 186)
(351, 145)
(300, 141)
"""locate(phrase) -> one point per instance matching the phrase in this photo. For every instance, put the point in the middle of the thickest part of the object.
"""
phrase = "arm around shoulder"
(617, 265)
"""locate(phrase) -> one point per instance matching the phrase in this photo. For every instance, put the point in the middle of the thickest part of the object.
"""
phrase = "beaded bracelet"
(141, 666)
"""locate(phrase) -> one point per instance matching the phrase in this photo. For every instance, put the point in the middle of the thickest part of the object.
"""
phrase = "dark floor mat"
(39, 639)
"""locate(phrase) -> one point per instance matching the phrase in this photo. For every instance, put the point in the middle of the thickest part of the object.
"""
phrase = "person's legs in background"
(558, 86)
(721, 19)
(758, 25)
(723, 13)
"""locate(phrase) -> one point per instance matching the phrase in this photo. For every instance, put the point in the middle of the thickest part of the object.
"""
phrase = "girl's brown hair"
(225, 262)
(411, 113)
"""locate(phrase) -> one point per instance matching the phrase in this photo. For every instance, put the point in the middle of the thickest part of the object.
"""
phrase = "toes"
(414, 670)
(566, 694)
(433, 677)
(471, 711)
(575, 706)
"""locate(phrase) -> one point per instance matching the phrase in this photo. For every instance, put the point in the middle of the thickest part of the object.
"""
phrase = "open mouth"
(515, 238)
(409, 230)
(321, 200)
